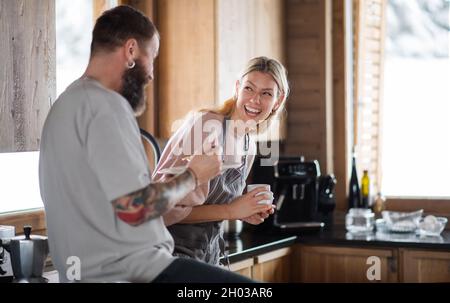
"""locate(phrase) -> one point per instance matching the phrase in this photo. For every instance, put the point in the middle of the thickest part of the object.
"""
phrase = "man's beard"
(133, 89)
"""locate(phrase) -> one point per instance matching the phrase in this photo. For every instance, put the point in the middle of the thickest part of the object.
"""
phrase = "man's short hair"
(115, 26)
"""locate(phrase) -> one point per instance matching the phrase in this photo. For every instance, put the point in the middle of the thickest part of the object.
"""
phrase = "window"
(369, 29)
(19, 171)
(74, 24)
(402, 96)
(20, 181)
(416, 104)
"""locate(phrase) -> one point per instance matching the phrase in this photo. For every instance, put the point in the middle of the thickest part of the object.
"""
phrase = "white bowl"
(432, 226)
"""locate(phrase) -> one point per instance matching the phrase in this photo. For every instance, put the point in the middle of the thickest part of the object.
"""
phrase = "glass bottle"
(379, 204)
(354, 194)
(365, 189)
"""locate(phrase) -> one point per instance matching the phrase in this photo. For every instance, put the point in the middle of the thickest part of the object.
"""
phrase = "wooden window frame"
(437, 206)
(33, 217)
(430, 205)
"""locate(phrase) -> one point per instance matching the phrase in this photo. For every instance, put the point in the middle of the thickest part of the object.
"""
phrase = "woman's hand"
(259, 217)
(207, 166)
(247, 205)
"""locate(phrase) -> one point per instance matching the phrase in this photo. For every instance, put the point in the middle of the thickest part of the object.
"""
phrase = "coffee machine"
(297, 186)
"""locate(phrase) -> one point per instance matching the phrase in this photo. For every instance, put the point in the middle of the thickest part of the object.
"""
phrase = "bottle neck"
(354, 162)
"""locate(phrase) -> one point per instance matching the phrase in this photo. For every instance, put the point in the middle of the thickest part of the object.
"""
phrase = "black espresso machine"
(304, 199)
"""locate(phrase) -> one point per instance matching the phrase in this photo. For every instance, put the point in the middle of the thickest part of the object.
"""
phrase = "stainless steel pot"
(28, 255)
(232, 227)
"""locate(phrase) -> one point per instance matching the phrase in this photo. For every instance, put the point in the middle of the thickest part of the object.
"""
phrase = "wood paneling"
(274, 266)
(34, 218)
(149, 119)
(340, 123)
(343, 264)
(27, 74)
(247, 29)
(420, 266)
(243, 267)
(102, 5)
(309, 61)
(247, 272)
(435, 206)
(204, 46)
(369, 36)
(187, 59)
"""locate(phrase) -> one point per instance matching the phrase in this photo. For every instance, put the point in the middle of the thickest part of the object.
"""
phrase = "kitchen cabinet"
(425, 266)
(273, 266)
(343, 264)
(243, 267)
(331, 258)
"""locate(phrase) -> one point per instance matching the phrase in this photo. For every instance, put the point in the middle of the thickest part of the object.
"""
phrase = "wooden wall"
(35, 218)
(27, 71)
(204, 45)
(308, 43)
(187, 59)
(340, 123)
(149, 119)
(246, 29)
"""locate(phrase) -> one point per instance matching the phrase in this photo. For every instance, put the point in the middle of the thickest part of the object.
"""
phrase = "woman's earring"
(132, 65)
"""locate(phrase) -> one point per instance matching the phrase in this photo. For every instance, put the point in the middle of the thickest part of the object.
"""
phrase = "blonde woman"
(195, 222)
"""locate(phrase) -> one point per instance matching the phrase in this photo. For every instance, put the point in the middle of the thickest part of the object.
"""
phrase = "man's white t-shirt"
(91, 154)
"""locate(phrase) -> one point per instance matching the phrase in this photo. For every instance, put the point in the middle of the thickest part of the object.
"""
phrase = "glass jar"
(360, 220)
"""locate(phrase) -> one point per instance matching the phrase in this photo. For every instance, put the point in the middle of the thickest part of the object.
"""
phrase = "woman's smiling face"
(257, 96)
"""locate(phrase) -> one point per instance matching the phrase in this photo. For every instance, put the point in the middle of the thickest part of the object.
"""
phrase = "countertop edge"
(261, 249)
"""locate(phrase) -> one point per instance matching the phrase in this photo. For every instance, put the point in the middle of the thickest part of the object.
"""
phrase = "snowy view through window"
(416, 104)
(74, 24)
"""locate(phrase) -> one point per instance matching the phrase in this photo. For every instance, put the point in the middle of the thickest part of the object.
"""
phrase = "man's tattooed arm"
(154, 200)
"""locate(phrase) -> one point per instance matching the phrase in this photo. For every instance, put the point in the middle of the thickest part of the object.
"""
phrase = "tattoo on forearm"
(154, 200)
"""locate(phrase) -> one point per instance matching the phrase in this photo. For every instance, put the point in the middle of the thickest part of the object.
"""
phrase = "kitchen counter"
(339, 236)
(252, 242)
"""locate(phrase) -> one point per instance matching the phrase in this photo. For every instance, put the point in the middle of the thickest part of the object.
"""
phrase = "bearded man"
(103, 212)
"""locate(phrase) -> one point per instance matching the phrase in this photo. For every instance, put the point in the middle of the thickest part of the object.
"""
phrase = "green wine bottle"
(354, 194)
(365, 190)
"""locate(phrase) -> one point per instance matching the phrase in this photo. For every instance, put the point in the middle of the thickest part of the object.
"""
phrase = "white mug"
(251, 187)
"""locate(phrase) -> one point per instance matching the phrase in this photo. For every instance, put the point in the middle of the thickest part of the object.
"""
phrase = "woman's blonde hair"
(265, 65)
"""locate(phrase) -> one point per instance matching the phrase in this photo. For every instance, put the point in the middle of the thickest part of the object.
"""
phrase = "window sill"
(34, 217)
(436, 206)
